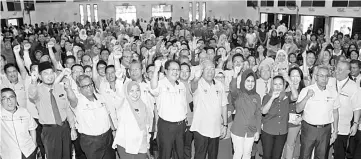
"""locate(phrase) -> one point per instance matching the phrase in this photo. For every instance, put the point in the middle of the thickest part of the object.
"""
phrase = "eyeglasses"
(174, 70)
(322, 76)
(91, 85)
(7, 99)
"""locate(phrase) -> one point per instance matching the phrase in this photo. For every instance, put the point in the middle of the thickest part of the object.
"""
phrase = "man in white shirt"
(355, 71)
(210, 112)
(264, 83)
(320, 106)
(172, 110)
(94, 122)
(282, 28)
(18, 135)
(350, 99)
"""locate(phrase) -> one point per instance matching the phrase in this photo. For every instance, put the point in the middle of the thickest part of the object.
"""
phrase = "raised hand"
(157, 65)
(224, 56)
(95, 60)
(118, 54)
(66, 72)
(120, 73)
(50, 44)
(310, 93)
(67, 83)
(198, 73)
(27, 46)
(17, 49)
(275, 94)
(34, 76)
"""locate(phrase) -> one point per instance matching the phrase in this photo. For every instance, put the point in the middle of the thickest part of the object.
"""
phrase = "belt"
(177, 123)
(101, 135)
(54, 125)
(318, 126)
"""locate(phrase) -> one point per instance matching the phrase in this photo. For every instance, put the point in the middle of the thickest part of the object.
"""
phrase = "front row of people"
(327, 107)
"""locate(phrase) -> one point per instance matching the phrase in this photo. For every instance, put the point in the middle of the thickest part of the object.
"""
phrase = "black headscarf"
(245, 75)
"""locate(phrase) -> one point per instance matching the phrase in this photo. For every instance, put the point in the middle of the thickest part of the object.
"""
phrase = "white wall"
(328, 10)
(69, 11)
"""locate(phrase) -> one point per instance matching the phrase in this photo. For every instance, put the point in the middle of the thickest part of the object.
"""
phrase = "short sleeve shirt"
(275, 122)
(319, 108)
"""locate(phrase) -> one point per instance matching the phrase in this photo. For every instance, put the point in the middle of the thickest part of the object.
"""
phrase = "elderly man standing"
(350, 99)
(172, 109)
(210, 112)
(320, 106)
(94, 122)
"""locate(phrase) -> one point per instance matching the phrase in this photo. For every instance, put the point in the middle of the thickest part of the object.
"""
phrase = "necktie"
(55, 108)
(127, 72)
(266, 86)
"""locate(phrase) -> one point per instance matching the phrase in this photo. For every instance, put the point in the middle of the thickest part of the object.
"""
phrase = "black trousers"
(188, 139)
(340, 147)
(314, 138)
(205, 146)
(98, 147)
(273, 145)
(79, 153)
(38, 139)
(32, 155)
(170, 136)
(357, 150)
(56, 140)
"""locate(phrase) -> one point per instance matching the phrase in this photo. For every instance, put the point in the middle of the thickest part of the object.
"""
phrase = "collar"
(341, 83)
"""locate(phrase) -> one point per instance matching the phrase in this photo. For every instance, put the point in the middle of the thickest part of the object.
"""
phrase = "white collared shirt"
(148, 100)
(171, 100)
(358, 80)
(92, 116)
(261, 87)
(209, 99)
(319, 108)
(112, 98)
(350, 99)
(15, 136)
(228, 76)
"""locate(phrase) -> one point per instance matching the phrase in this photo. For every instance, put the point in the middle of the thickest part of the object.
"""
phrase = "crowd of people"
(176, 89)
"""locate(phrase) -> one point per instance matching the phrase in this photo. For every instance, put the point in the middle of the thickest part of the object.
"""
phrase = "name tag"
(329, 99)
(344, 94)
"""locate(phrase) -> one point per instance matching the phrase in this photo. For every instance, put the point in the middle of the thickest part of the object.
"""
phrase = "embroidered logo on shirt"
(254, 100)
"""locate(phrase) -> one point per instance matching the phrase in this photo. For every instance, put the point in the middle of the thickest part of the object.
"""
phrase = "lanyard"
(342, 85)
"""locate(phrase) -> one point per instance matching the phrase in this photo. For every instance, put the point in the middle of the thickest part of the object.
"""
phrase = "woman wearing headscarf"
(132, 135)
(246, 126)
(289, 46)
(281, 63)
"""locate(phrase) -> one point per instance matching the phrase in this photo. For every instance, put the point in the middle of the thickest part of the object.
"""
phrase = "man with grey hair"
(320, 106)
(350, 99)
(94, 122)
(264, 83)
(210, 105)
